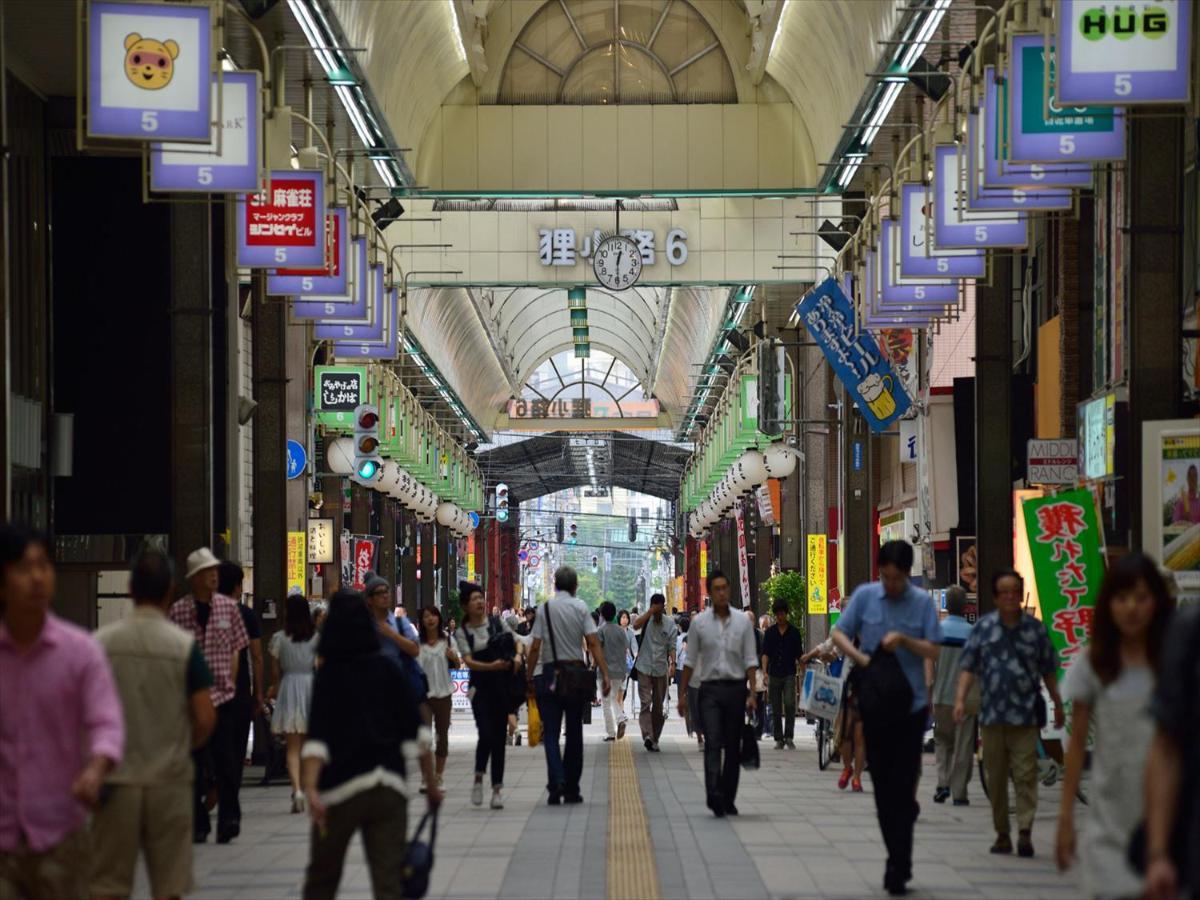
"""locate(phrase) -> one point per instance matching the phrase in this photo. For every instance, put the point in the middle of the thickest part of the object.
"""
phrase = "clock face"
(617, 263)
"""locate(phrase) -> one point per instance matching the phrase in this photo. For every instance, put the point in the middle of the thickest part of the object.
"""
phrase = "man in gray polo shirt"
(655, 667)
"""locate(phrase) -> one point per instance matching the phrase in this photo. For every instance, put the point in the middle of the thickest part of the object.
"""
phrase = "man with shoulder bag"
(563, 683)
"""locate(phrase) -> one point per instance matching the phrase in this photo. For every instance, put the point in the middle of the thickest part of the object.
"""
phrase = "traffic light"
(502, 502)
(573, 534)
(560, 529)
(633, 529)
(595, 562)
(367, 461)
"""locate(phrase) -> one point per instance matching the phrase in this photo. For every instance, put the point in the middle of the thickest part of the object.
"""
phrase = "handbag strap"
(431, 816)
(550, 628)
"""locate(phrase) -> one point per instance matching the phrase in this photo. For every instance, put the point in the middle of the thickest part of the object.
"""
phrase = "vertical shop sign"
(364, 560)
(297, 545)
(703, 560)
(1066, 134)
(743, 560)
(1065, 546)
(330, 281)
(854, 355)
(1124, 53)
(285, 224)
(471, 557)
(234, 167)
(150, 66)
(320, 541)
(818, 596)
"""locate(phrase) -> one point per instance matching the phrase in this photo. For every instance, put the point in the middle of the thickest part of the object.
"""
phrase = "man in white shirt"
(721, 646)
(562, 625)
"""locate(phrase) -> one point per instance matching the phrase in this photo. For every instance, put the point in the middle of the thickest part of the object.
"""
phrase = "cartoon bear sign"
(149, 64)
(150, 71)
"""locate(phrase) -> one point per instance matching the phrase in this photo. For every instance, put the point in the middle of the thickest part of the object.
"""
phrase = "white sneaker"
(477, 793)
(497, 803)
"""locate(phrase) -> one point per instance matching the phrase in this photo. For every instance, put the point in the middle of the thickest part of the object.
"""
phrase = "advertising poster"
(150, 66)
(297, 545)
(1066, 549)
(460, 699)
(1179, 474)
(230, 160)
(1125, 53)
(285, 224)
(743, 561)
(816, 582)
(828, 316)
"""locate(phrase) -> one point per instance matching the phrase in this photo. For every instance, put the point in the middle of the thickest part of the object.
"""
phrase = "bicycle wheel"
(824, 744)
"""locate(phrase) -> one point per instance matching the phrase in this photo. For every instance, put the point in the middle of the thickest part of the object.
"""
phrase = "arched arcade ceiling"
(820, 56)
(487, 341)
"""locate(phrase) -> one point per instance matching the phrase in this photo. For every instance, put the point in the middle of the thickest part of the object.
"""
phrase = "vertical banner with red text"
(743, 562)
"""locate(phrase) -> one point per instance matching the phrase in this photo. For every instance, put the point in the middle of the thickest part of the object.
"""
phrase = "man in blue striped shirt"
(955, 744)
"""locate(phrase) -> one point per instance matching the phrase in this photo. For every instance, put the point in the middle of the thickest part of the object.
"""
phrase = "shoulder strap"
(550, 628)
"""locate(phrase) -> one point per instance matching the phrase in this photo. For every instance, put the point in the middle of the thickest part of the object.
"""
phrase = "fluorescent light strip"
(350, 102)
(932, 20)
(315, 39)
(385, 172)
(890, 93)
(848, 173)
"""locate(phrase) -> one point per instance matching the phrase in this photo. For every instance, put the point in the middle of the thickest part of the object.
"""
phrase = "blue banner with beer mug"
(854, 354)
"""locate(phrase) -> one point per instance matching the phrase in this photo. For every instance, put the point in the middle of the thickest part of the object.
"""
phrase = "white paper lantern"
(779, 460)
(446, 514)
(753, 468)
(339, 456)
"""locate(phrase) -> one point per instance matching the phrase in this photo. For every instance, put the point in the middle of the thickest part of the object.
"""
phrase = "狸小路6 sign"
(829, 317)
(1134, 51)
(150, 67)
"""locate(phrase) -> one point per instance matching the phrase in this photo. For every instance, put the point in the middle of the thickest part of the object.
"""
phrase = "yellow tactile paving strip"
(632, 874)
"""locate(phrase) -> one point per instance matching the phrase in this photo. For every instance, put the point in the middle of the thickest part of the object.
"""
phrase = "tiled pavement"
(797, 836)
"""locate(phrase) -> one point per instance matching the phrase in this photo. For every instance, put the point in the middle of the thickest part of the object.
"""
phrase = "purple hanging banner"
(1135, 51)
(322, 282)
(350, 310)
(150, 67)
(199, 167)
(1087, 133)
(954, 226)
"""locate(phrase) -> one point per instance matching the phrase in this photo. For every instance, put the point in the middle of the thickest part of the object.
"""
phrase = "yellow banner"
(297, 547)
(818, 601)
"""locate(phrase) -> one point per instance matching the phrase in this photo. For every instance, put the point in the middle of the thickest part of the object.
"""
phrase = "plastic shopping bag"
(535, 723)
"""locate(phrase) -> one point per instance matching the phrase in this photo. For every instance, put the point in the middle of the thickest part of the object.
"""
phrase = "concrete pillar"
(387, 544)
(1157, 278)
(406, 539)
(428, 582)
(298, 428)
(993, 425)
(269, 318)
(858, 550)
(191, 379)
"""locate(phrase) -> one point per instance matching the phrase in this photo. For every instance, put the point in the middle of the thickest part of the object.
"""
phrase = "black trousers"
(491, 722)
(894, 757)
(220, 760)
(244, 713)
(723, 712)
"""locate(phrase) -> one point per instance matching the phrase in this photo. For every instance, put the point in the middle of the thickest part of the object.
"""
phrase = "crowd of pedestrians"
(143, 727)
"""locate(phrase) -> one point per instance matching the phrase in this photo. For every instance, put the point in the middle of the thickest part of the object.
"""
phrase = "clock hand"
(619, 254)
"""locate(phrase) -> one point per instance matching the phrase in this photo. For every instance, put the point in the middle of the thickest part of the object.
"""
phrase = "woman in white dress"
(293, 656)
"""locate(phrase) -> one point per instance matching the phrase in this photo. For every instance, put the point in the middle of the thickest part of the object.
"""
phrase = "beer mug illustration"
(877, 391)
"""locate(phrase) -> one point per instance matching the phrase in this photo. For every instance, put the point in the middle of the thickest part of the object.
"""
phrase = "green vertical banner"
(1065, 545)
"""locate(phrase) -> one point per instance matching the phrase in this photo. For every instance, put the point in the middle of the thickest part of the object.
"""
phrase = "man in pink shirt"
(61, 730)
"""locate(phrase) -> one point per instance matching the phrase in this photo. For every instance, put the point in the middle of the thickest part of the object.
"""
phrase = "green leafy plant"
(789, 586)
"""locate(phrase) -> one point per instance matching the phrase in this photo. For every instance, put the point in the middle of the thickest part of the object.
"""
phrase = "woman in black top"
(362, 719)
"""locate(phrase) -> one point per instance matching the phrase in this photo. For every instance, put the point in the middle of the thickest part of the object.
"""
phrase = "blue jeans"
(563, 769)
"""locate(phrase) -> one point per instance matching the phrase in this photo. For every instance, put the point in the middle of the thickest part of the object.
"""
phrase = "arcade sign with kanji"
(1065, 547)
(562, 247)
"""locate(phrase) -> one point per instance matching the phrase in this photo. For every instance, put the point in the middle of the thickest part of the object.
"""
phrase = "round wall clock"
(617, 262)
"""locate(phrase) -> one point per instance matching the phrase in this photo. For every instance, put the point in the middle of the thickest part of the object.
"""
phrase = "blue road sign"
(297, 459)
(474, 516)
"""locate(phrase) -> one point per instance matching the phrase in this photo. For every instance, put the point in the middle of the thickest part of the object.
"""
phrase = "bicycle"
(826, 734)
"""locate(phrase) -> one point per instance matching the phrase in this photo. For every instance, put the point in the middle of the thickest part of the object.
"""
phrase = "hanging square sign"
(331, 281)
(917, 257)
(372, 331)
(999, 172)
(234, 168)
(386, 349)
(956, 226)
(1008, 197)
(149, 70)
(829, 317)
(875, 315)
(285, 223)
(1135, 51)
(893, 289)
(350, 309)
(1060, 134)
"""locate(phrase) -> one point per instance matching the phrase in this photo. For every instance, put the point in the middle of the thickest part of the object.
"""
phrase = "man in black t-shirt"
(248, 701)
(782, 648)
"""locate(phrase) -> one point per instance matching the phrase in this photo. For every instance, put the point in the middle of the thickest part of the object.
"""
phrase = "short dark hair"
(956, 600)
(151, 574)
(565, 579)
(781, 606)
(15, 540)
(608, 610)
(657, 599)
(466, 589)
(896, 553)
(1007, 573)
(685, 622)
(713, 576)
(229, 576)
